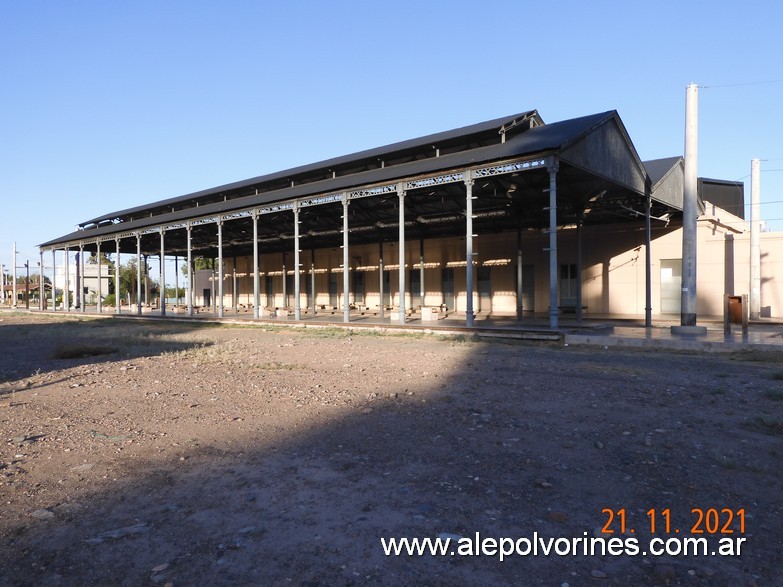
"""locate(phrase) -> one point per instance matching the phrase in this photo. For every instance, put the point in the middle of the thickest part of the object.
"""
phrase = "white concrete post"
(690, 207)
(755, 239)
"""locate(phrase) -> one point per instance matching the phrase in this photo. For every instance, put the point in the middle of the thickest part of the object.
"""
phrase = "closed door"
(414, 279)
(270, 291)
(485, 289)
(333, 290)
(528, 288)
(387, 288)
(447, 287)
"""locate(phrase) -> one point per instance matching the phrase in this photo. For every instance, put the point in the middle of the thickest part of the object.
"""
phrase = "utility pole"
(755, 239)
(27, 285)
(689, 207)
(13, 301)
(689, 215)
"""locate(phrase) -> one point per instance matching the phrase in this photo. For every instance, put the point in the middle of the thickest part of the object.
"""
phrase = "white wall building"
(92, 286)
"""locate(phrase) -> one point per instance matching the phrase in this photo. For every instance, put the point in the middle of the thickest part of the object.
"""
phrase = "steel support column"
(381, 305)
(98, 255)
(41, 288)
(520, 309)
(421, 272)
(647, 255)
(297, 264)
(220, 269)
(147, 284)
(346, 263)
(468, 250)
(256, 278)
(54, 281)
(80, 280)
(552, 167)
(117, 294)
(13, 274)
(162, 288)
(234, 294)
(138, 274)
(401, 195)
(312, 279)
(579, 222)
(285, 286)
(191, 276)
(67, 284)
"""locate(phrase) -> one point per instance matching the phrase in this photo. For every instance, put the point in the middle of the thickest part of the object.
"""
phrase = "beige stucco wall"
(613, 274)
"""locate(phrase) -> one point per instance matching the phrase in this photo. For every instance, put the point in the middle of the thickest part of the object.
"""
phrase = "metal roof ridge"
(464, 131)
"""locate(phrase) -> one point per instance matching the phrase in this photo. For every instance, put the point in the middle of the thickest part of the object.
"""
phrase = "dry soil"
(144, 452)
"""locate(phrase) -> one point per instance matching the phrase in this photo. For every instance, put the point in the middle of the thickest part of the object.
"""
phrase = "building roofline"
(502, 124)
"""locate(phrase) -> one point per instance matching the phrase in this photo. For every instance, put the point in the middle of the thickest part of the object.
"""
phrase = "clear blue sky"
(106, 105)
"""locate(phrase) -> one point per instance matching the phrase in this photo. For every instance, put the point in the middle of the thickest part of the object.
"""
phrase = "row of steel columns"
(552, 167)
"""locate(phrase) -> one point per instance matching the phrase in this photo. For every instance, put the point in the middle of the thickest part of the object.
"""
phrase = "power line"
(772, 81)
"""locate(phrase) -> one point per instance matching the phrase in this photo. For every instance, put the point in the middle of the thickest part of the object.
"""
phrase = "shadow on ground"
(31, 350)
(506, 440)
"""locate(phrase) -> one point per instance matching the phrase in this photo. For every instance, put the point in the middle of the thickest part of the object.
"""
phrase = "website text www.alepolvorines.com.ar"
(535, 545)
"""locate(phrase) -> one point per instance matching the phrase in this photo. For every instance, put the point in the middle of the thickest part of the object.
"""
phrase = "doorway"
(447, 287)
(671, 286)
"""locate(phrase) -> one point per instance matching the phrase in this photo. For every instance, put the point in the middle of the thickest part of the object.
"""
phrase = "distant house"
(92, 286)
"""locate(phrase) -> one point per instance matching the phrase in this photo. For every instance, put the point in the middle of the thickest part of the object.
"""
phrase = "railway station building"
(510, 219)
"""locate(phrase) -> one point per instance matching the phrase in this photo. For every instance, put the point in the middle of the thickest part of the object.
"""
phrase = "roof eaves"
(512, 148)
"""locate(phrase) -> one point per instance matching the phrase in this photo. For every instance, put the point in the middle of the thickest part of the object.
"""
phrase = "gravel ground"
(144, 452)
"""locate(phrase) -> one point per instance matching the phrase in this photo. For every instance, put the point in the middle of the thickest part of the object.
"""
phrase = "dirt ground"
(191, 454)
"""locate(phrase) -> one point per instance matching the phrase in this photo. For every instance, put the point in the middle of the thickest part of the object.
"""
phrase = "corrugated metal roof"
(539, 140)
(466, 132)
(657, 169)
